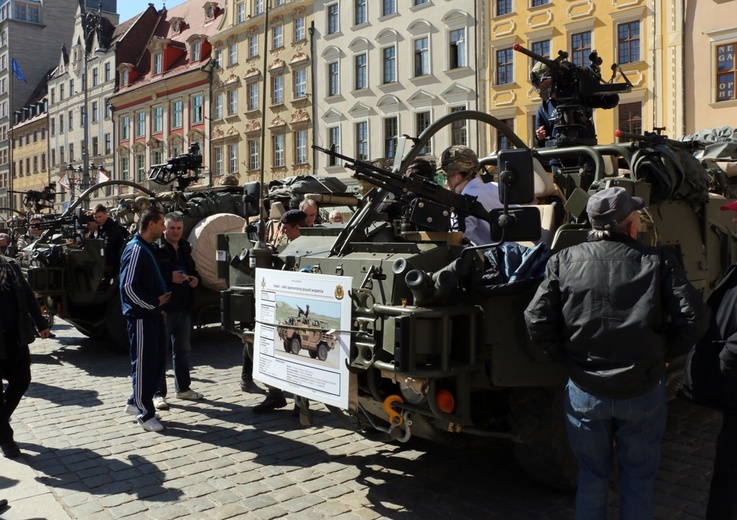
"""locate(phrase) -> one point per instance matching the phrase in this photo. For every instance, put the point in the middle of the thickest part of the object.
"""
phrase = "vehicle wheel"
(322, 352)
(543, 452)
(295, 345)
(286, 345)
(313, 353)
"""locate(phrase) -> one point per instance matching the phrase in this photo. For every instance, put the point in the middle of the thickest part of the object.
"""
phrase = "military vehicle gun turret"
(67, 269)
(438, 343)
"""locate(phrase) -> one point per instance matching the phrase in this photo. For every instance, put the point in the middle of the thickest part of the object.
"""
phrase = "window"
(107, 72)
(140, 167)
(362, 145)
(157, 157)
(95, 77)
(361, 71)
(581, 48)
(457, 48)
(241, 10)
(536, 3)
(218, 59)
(124, 168)
(197, 109)
(333, 79)
(503, 7)
(233, 158)
(232, 102)
(196, 50)
(333, 13)
(334, 142)
(299, 29)
(253, 155)
(232, 54)
(52, 127)
(300, 147)
(61, 92)
(71, 87)
(140, 124)
(95, 147)
(504, 66)
(219, 160)
(176, 113)
(35, 164)
(542, 48)
(628, 42)
(253, 46)
(422, 121)
(61, 123)
(630, 118)
(277, 90)
(53, 96)
(359, 12)
(277, 37)
(124, 78)
(278, 141)
(390, 136)
(95, 112)
(502, 142)
(43, 162)
(158, 63)
(219, 106)
(61, 155)
(458, 130)
(53, 157)
(389, 58)
(124, 125)
(157, 114)
(422, 56)
(420, 2)
(108, 144)
(389, 7)
(252, 94)
(299, 79)
(71, 152)
(258, 6)
(726, 72)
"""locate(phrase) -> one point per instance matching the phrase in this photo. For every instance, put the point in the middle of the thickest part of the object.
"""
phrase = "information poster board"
(301, 341)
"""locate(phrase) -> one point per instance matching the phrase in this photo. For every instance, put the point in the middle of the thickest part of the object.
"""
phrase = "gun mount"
(178, 169)
(38, 200)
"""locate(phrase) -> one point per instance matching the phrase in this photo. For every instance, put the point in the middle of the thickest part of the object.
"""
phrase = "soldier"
(112, 234)
(33, 233)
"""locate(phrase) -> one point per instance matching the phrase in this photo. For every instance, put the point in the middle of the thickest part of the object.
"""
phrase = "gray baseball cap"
(610, 206)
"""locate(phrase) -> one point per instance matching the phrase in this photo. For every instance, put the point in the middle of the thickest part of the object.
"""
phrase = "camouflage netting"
(673, 173)
(291, 191)
(719, 157)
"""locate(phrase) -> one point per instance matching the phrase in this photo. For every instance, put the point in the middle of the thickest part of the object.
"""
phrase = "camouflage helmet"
(539, 73)
(459, 159)
(229, 180)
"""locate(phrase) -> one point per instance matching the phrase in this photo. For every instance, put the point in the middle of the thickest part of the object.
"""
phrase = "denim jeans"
(178, 334)
(634, 427)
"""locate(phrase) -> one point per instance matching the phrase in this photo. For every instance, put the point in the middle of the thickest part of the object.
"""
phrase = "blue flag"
(17, 71)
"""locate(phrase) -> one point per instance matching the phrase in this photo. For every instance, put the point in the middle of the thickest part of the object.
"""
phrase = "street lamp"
(82, 180)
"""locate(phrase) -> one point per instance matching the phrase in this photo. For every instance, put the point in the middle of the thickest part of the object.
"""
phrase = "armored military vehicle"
(438, 345)
(304, 333)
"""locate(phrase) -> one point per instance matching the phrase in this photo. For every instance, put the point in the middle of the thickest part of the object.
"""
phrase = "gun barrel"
(535, 56)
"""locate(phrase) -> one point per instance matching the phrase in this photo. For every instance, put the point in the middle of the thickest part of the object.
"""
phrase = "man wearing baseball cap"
(615, 311)
(460, 166)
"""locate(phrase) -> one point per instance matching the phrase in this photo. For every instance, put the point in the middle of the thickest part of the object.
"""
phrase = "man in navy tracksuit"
(143, 293)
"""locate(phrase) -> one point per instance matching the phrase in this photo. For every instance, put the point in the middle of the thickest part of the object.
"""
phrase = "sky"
(129, 8)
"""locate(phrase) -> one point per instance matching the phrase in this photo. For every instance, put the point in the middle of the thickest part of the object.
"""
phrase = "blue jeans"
(634, 427)
(178, 334)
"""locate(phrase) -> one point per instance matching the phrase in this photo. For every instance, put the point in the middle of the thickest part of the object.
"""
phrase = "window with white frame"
(95, 109)
(95, 77)
(391, 125)
(140, 123)
(258, 6)
(108, 143)
(252, 95)
(71, 118)
(124, 167)
(388, 7)
(125, 122)
(334, 143)
(389, 64)
(218, 58)
(61, 123)
(253, 46)
(124, 75)
(196, 50)
(157, 114)
(628, 42)
(299, 79)
(422, 122)
(580, 48)
(176, 113)
(299, 29)
(198, 105)
(360, 68)
(278, 143)
(218, 160)
(233, 158)
(277, 37)
(502, 7)
(158, 62)
(333, 15)
(157, 156)
(459, 129)
(457, 48)
(420, 2)
(333, 79)
(422, 56)
(232, 102)
(241, 12)
(360, 15)
(542, 48)
(232, 53)
(277, 90)
(219, 106)
(726, 71)
(504, 66)
(362, 143)
(253, 155)
(107, 74)
(140, 166)
(300, 147)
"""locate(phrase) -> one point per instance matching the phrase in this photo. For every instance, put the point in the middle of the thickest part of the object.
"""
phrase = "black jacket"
(112, 234)
(27, 306)
(171, 260)
(614, 311)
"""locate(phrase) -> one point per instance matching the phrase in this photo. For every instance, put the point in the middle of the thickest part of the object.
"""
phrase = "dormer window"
(196, 50)
(175, 26)
(124, 78)
(158, 63)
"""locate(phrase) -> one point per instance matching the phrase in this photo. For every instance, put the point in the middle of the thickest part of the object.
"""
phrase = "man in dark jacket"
(17, 303)
(109, 231)
(143, 294)
(181, 276)
(615, 312)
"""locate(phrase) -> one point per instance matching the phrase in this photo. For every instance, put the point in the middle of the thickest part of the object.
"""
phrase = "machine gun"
(577, 90)
(38, 200)
(177, 169)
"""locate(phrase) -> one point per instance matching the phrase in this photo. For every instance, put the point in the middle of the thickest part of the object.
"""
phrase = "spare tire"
(203, 239)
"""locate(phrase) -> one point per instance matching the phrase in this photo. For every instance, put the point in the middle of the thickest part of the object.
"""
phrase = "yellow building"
(29, 148)
(618, 30)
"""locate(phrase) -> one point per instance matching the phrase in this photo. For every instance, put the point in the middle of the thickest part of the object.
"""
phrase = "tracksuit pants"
(147, 338)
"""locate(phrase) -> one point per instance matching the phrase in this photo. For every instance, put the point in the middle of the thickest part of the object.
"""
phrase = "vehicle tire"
(313, 353)
(322, 352)
(543, 451)
(295, 345)
(286, 346)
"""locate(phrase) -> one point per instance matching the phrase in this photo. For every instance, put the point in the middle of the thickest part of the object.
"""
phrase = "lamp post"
(82, 180)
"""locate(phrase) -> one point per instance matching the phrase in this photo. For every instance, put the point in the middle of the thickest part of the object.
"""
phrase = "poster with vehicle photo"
(301, 341)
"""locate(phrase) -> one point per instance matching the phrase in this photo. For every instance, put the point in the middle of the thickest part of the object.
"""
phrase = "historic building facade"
(29, 141)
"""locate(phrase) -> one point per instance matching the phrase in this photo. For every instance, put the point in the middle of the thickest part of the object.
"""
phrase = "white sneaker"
(152, 425)
(160, 403)
(131, 409)
(190, 395)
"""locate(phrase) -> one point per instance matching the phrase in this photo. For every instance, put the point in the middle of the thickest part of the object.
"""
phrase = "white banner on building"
(298, 343)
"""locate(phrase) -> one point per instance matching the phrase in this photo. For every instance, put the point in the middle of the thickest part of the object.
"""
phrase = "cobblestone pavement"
(216, 459)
